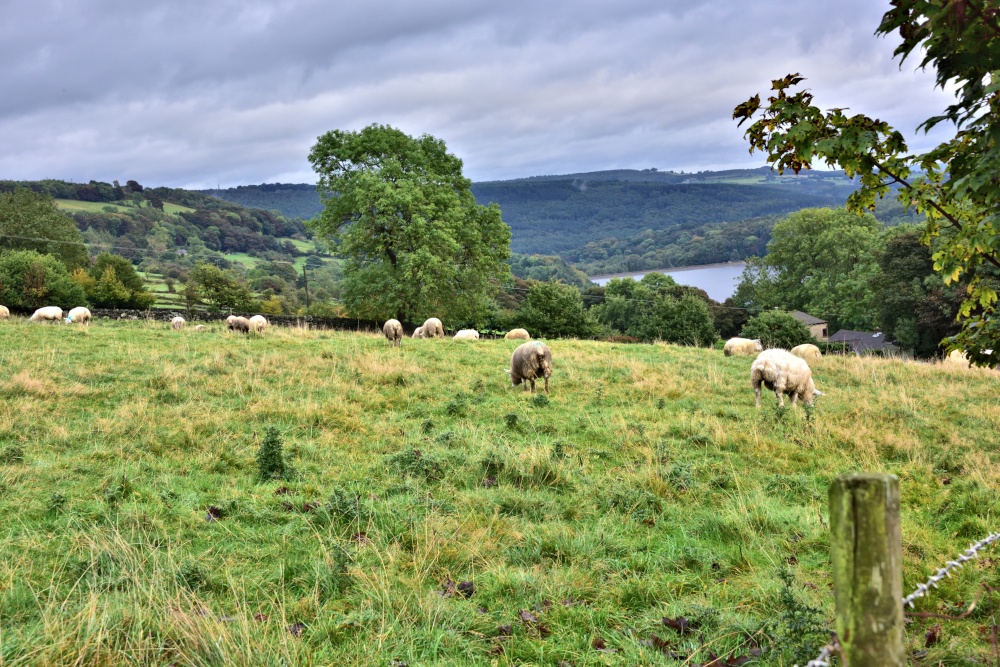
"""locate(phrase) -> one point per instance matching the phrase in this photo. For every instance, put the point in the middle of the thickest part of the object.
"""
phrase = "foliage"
(821, 261)
(31, 221)
(953, 184)
(544, 268)
(221, 288)
(270, 458)
(30, 280)
(415, 241)
(801, 626)
(553, 310)
(112, 282)
(656, 308)
(915, 308)
(775, 328)
(293, 200)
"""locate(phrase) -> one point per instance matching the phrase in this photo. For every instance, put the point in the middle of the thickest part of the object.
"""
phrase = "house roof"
(806, 318)
(863, 340)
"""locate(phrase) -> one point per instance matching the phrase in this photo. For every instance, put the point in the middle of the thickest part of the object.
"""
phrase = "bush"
(30, 280)
(553, 310)
(775, 328)
(112, 282)
(270, 459)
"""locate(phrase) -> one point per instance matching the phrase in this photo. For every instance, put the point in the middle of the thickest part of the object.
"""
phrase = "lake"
(719, 280)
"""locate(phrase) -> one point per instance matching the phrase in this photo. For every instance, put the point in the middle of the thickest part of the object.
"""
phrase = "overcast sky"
(195, 93)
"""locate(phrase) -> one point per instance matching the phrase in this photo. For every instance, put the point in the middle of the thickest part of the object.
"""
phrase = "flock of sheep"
(778, 370)
(531, 361)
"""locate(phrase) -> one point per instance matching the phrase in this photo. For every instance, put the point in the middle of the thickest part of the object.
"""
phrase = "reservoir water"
(719, 280)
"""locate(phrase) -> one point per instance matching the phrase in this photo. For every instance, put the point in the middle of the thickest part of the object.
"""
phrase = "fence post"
(867, 557)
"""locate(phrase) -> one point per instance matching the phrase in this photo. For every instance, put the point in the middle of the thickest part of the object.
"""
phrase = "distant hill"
(292, 200)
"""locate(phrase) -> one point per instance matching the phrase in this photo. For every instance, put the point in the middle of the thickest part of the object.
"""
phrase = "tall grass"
(133, 527)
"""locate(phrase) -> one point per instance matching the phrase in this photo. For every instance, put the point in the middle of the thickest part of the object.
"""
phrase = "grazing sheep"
(393, 331)
(78, 315)
(530, 361)
(418, 333)
(517, 334)
(4, 312)
(177, 323)
(237, 323)
(433, 328)
(258, 323)
(467, 334)
(47, 314)
(783, 373)
(738, 346)
(200, 327)
(807, 351)
(958, 358)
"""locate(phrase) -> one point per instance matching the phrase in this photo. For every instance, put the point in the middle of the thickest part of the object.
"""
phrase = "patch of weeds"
(270, 459)
(638, 504)
(349, 507)
(331, 574)
(540, 400)
(56, 503)
(599, 393)
(558, 450)
(168, 497)
(800, 625)
(414, 463)
(699, 440)
(660, 404)
(12, 455)
(427, 426)
(116, 489)
(810, 412)
(458, 406)
(448, 438)
(493, 464)
(511, 420)
(680, 476)
(192, 576)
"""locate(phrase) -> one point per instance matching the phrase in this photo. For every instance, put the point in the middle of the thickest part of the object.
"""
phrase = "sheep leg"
(756, 392)
(532, 385)
(546, 384)
(795, 397)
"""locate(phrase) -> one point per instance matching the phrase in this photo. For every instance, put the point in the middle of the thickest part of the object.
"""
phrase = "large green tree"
(955, 184)
(414, 240)
(656, 308)
(29, 280)
(821, 261)
(221, 288)
(114, 283)
(552, 310)
(31, 221)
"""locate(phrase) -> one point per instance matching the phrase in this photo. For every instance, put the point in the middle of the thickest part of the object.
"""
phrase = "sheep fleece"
(783, 373)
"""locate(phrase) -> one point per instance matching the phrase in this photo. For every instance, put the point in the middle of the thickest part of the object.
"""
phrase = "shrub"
(555, 310)
(270, 459)
(775, 328)
(29, 280)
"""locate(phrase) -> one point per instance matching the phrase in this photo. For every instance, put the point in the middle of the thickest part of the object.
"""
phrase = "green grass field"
(98, 207)
(646, 485)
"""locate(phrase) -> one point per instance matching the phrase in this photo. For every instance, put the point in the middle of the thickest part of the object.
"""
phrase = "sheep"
(393, 331)
(517, 334)
(78, 315)
(47, 314)
(200, 327)
(738, 346)
(237, 323)
(258, 323)
(467, 334)
(4, 312)
(418, 333)
(807, 351)
(433, 328)
(959, 358)
(783, 373)
(177, 323)
(530, 361)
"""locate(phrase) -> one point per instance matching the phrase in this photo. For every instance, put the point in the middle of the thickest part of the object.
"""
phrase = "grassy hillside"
(646, 486)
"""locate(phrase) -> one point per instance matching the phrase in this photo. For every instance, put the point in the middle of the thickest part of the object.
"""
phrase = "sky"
(199, 94)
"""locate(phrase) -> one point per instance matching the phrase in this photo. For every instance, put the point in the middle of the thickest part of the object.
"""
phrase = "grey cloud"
(193, 93)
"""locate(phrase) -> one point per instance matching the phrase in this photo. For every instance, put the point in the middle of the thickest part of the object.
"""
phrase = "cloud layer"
(194, 94)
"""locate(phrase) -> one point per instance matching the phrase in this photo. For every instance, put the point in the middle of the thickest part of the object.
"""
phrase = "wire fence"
(922, 590)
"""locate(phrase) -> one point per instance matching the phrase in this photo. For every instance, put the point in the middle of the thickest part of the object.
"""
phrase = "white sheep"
(48, 314)
(783, 373)
(807, 351)
(78, 315)
(237, 323)
(4, 312)
(200, 327)
(418, 333)
(738, 346)
(517, 334)
(258, 323)
(433, 328)
(530, 361)
(177, 323)
(393, 331)
(467, 334)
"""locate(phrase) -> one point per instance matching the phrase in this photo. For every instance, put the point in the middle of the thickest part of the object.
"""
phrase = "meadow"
(644, 512)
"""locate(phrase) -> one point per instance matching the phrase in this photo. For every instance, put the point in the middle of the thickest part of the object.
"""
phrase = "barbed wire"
(969, 554)
(823, 659)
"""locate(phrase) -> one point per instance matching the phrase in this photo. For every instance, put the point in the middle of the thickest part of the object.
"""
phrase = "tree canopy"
(31, 221)
(112, 282)
(656, 308)
(29, 280)
(955, 184)
(414, 240)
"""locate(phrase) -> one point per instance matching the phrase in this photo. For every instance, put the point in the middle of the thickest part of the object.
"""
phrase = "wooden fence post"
(867, 559)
